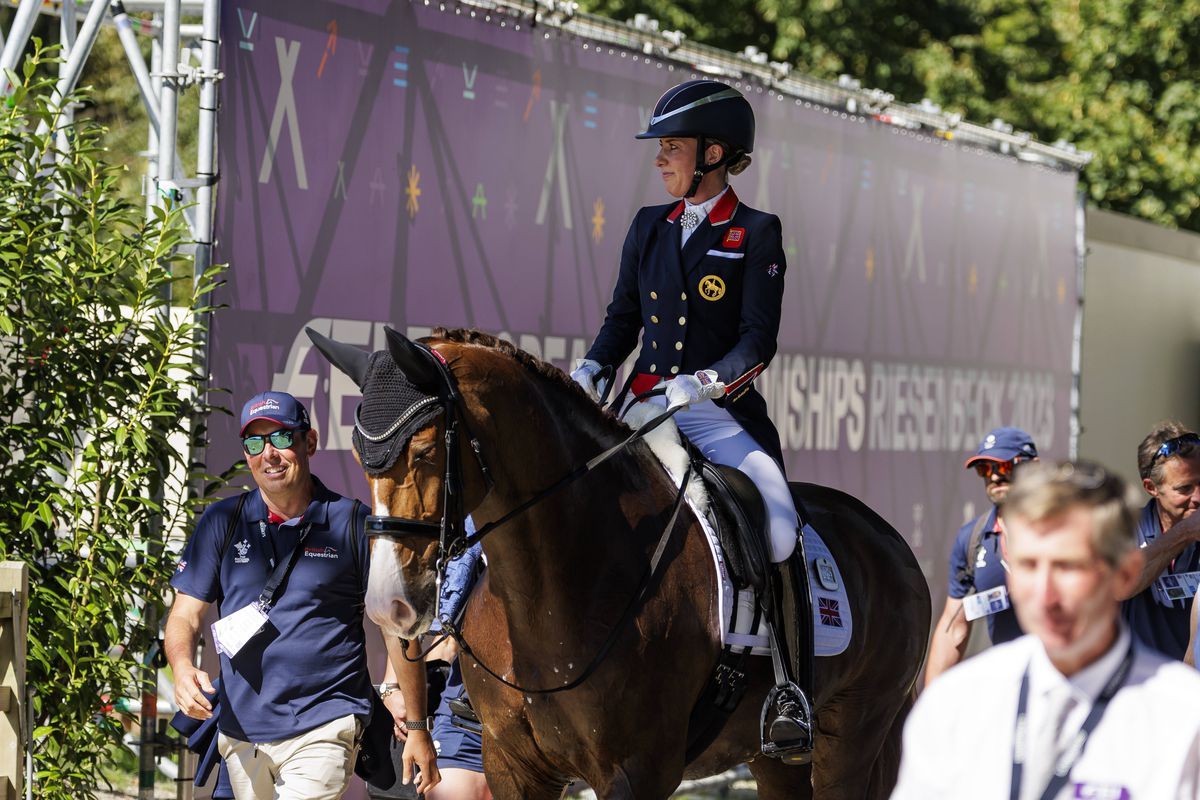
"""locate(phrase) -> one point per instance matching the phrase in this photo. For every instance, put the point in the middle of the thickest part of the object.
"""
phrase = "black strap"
(1065, 762)
(267, 596)
(968, 571)
(229, 531)
(355, 533)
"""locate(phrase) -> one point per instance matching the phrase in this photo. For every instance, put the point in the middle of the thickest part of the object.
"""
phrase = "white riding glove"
(585, 374)
(687, 390)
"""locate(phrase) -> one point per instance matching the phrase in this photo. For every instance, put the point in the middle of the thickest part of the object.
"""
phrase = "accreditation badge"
(231, 633)
(984, 604)
(1095, 791)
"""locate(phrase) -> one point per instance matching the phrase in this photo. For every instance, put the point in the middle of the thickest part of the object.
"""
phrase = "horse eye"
(423, 454)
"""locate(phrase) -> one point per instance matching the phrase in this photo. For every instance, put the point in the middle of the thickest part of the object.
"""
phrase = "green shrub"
(96, 410)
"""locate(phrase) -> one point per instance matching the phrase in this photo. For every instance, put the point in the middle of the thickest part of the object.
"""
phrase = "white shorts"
(316, 765)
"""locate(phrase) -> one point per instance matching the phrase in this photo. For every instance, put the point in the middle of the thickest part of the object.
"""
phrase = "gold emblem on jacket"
(712, 287)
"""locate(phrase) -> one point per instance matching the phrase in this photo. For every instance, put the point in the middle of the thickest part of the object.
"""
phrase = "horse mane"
(582, 408)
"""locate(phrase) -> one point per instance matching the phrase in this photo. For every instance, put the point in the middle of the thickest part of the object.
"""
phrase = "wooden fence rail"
(14, 629)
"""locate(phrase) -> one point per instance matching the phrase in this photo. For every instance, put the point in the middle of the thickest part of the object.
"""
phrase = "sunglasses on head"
(282, 439)
(1179, 445)
(986, 469)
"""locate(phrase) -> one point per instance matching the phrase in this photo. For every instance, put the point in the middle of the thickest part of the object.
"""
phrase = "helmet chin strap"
(702, 169)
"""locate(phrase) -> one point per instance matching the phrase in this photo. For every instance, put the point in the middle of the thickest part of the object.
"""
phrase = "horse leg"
(511, 778)
(639, 778)
(886, 770)
(851, 738)
(778, 781)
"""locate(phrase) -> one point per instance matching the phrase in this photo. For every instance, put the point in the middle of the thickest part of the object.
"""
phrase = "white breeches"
(723, 439)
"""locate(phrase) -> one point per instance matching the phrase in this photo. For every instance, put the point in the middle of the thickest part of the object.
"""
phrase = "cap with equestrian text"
(278, 407)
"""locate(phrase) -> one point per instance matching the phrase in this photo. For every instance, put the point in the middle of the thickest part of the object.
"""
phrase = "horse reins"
(452, 540)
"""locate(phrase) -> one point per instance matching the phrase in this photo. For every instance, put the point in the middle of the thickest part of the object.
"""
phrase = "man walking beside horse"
(286, 565)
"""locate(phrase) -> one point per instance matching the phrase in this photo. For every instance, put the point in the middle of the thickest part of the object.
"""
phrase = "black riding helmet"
(706, 110)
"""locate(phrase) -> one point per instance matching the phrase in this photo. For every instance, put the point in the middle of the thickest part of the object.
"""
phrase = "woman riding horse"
(704, 277)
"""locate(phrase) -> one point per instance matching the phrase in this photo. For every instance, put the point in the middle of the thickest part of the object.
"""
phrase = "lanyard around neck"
(1065, 761)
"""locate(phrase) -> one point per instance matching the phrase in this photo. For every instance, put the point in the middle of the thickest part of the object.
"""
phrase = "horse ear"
(348, 358)
(412, 361)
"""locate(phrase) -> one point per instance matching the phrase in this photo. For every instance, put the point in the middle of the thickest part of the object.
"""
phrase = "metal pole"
(18, 36)
(206, 150)
(133, 54)
(150, 187)
(80, 51)
(168, 104)
(167, 195)
(148, 86)
(66, 37)
(71, 71)
(1077, 328)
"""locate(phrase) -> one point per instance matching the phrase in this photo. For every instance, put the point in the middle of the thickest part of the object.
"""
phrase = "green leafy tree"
(96, 408)
(1119, 78)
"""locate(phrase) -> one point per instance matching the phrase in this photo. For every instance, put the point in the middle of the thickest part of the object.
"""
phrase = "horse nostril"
(402, 613)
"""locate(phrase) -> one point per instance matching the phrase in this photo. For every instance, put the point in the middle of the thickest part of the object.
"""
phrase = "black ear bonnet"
(392, 410)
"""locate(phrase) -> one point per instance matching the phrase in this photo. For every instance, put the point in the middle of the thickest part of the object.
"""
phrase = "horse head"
(399, 436)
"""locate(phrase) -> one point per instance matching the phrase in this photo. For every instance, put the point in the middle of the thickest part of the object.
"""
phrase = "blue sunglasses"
(1172, 446)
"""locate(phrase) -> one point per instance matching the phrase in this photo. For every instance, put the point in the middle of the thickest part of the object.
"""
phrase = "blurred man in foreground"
(1078, 707)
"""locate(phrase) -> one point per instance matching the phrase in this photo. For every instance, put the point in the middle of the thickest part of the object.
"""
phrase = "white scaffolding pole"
(168, 105)
(67, 38)
(70, 71)
(18, 35)
(206, 151)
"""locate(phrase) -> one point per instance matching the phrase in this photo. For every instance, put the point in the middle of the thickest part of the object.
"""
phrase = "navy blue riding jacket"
(714, 305)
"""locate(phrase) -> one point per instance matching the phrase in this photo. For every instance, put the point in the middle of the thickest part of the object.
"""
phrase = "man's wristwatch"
(418, 724)
(387, 688)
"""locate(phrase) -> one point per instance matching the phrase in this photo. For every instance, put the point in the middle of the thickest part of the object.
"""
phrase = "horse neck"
(571, 547)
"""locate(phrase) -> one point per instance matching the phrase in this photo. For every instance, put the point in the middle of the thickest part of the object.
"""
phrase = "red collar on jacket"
(721, 213)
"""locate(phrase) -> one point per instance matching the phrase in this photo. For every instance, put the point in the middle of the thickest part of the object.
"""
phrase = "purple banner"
(393, 163)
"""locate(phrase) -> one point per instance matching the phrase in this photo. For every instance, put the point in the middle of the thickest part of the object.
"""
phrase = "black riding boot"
(789, 734)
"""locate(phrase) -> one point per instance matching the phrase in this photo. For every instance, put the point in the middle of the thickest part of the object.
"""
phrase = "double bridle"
(451, 529)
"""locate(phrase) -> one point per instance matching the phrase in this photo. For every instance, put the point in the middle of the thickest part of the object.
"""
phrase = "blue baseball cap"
(1004, 444)
(278, 407)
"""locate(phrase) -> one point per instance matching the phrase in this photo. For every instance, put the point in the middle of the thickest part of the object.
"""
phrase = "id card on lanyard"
(231, 633)
(1176, 586)
(986, 603)
(1064, 761)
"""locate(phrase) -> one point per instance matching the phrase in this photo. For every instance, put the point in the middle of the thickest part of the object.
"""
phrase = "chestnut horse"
(555, 608)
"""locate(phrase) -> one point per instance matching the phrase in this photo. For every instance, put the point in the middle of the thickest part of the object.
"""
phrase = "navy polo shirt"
(1163, 625)
(308, 665)
(989, 573)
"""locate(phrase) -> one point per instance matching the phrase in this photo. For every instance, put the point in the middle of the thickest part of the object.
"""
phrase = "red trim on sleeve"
(749, 375)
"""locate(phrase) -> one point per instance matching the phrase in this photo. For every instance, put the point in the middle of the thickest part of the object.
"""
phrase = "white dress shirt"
(958, 741)
(701, 210)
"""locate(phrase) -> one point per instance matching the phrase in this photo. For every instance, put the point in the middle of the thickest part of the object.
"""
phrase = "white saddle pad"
(832, 624)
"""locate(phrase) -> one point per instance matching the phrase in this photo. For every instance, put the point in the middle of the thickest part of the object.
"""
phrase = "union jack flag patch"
(828, 608)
